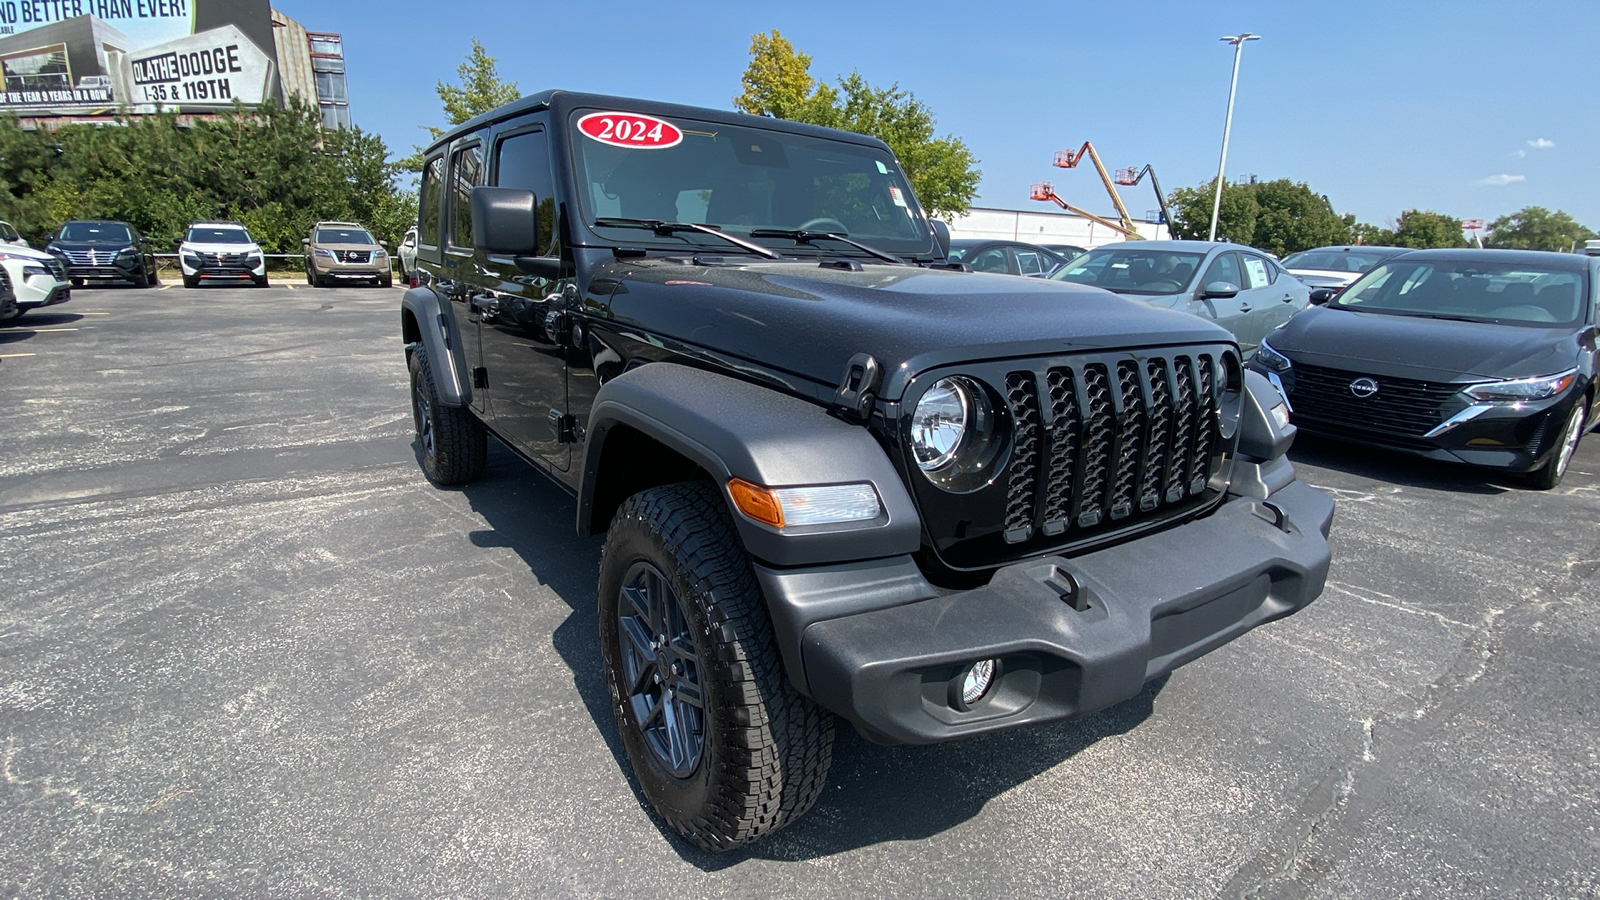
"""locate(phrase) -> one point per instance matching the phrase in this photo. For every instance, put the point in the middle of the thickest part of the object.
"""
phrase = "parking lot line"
(166, 287)
(15, 355)
(43, 330)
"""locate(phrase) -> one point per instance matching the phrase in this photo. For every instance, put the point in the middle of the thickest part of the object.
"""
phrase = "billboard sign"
(85, 57)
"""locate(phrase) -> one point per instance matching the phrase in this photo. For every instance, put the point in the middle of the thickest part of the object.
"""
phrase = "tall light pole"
(1227, 126)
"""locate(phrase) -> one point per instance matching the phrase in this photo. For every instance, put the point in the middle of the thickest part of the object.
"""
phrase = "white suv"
(38, 278)
(220, 251)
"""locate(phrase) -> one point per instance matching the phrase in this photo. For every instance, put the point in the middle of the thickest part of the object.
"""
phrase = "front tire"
(261, 281)
(723, 746)
(452, 444)
(1550, 474)
(190, 281)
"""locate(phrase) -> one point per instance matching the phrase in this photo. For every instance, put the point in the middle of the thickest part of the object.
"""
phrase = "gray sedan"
(1239, 288)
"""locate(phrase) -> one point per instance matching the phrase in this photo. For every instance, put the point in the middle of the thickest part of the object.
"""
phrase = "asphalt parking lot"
(246, 649)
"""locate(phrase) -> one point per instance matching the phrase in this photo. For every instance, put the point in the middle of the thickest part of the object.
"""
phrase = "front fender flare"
(441, 340)
(735, 429)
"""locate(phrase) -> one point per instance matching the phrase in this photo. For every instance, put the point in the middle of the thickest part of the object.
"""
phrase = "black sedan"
(104, 251)
(1005, 257)
(1484, 357)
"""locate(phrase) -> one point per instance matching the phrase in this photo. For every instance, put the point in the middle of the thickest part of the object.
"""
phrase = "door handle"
(1288, 298)
(1244, 308)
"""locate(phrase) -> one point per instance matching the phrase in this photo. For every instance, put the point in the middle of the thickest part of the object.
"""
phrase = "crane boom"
(1066, 159)
(1044, 190)
(1127, 178)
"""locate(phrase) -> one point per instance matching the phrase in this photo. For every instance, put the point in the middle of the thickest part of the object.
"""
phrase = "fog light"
(977, 681)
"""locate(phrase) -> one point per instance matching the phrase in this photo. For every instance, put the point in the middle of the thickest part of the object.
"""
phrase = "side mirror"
(383, 244)
(305, 242)
(1322, 295)
(1220, 290)
(941, 235)
(504, 222)
(176, 243)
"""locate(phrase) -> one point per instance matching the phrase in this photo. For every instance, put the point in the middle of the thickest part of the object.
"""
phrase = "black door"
(523, 342)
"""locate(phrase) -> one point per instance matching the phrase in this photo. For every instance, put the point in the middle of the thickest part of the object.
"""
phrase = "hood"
(809, 319)
(1325, 277)
(221, 248)
(24, 252)
(1427, 349)
(90, 245)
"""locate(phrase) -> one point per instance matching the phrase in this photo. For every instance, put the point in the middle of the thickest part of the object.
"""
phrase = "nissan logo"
(1364, 388)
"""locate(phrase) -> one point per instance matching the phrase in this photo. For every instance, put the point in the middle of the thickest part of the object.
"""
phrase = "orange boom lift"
(1066, 159)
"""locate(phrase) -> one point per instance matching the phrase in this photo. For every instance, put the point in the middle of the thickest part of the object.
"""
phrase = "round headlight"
(940, 423)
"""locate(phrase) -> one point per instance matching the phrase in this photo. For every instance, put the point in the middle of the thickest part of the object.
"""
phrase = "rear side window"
(428, 202)
(1257, 271)
(466, 173)
(522, 161)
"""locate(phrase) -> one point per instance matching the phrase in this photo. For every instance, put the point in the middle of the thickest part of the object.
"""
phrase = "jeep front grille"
(1101, 445)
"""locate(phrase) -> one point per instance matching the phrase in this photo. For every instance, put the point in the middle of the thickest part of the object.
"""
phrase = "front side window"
(1503, 293)
(1224, 268)
(7, 232)
(1139, 270)
(466, 172)
(428, 202)
(1031, 262)
(741, 179)
(522, 161)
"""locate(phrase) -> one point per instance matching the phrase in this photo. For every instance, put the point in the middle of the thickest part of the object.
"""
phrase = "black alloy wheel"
(452, 444)
(720, 742)
(662, 669)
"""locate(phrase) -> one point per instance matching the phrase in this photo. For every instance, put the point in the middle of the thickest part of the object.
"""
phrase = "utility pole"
(1227, 126)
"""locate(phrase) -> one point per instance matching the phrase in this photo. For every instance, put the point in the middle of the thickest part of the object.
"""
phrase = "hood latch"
(855, 395)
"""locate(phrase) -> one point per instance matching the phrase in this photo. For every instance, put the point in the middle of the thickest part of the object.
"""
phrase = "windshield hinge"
(855, 396)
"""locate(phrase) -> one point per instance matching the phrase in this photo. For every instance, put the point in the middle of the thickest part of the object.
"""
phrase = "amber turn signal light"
(755, 501)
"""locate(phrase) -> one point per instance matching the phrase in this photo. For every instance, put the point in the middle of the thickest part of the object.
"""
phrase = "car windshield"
(1334, 260)
(96, 233)
(343, 236)
(740, 179)
(1129, 270)
(1506, 293)
(202, 234)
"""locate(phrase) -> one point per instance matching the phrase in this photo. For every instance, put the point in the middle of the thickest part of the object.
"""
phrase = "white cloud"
(1502, 180)
(1518, 154)
(1541, 144)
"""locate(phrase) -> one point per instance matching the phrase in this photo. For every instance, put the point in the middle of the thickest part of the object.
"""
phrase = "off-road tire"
(452, 445)
(765, 748)
(1549, 475)
(311, 279)
(386, 281)
(189, 281)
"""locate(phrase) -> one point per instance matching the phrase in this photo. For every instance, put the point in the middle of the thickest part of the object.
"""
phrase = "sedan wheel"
(1548, 477)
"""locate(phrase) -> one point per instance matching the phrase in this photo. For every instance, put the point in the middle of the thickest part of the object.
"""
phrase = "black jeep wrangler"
(837, 474)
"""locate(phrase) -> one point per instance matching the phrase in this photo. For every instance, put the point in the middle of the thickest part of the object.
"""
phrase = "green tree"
(1536, 228)
(778, 83)
(1280, 216)
(1422, 229)
(480, 90)
(272, 168)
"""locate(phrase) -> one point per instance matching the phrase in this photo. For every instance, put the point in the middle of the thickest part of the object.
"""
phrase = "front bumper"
(375, 270)
(225, 269)
(1072, 636)
(41, 291)
(1516, 437)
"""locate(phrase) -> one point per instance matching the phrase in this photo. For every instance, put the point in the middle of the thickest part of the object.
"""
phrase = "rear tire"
(747, 754)
(1550, 474)
(452, 444)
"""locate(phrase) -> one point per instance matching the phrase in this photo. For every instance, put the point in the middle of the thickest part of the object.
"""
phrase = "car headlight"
(30, 271)
(127, 251)
(379, 254)
(939, 423)
(323, 253)
(1271, 359)
(1521, 390)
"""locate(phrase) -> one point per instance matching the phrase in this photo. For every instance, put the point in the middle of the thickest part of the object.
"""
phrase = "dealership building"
(86, 68)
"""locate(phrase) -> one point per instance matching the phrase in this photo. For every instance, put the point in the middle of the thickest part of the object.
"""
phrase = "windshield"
(96, 233)
(1335, 260)
(1130, 270)
(342, 236)
(741, 179)
(1507, 293)
(202, 234)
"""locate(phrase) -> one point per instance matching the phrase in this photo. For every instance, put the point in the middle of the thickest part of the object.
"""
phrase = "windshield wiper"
(665, 228)
(800, 236)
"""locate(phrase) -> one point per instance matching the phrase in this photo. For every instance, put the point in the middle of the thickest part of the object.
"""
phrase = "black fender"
(440, 338)
(734, 429)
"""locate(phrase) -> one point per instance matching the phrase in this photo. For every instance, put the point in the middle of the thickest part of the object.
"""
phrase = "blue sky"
(1469, 108)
